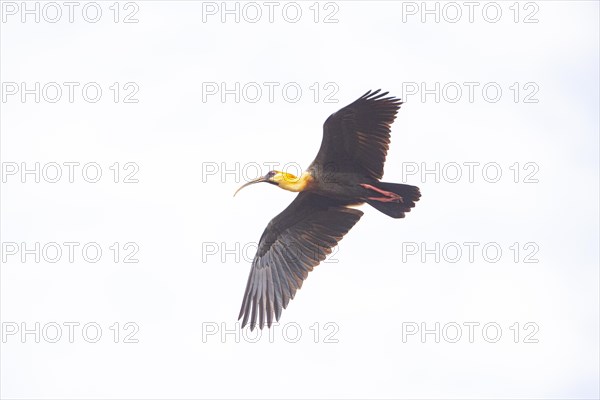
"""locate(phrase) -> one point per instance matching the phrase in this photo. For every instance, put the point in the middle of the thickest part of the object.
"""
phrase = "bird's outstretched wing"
(357, 137)
(293, 243)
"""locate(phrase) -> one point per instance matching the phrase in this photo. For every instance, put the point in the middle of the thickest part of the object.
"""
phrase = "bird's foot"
(390, 197)
(396, 199)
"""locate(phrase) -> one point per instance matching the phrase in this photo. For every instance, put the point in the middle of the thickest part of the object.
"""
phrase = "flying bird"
(345, 173)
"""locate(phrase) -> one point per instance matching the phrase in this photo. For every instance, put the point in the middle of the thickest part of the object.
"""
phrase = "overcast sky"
(140, 120)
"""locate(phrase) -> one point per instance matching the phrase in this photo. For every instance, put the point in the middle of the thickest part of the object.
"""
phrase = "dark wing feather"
(294, 242)
(357, 137)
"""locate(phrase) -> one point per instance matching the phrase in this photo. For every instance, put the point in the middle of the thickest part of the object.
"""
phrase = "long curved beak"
(252, 182)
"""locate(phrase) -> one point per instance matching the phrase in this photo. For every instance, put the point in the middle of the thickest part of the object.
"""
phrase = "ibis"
(346, 173)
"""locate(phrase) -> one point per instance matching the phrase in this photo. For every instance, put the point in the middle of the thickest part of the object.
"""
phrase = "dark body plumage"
(345, 172)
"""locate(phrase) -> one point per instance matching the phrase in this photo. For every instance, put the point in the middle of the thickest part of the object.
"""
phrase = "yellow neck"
(293, 183)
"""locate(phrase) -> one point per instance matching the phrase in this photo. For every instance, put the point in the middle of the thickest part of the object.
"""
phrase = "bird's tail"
(395, 209)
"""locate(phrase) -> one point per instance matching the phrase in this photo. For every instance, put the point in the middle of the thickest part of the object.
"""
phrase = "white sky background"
(365, 291)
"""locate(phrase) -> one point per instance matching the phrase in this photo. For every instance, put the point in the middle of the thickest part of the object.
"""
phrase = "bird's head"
(284, 180)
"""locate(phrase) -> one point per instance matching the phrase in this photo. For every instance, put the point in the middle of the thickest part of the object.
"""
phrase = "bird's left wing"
(356, 138)
(294, 242)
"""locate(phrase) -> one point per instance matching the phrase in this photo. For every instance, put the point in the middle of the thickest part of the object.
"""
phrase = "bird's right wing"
(294, 242)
